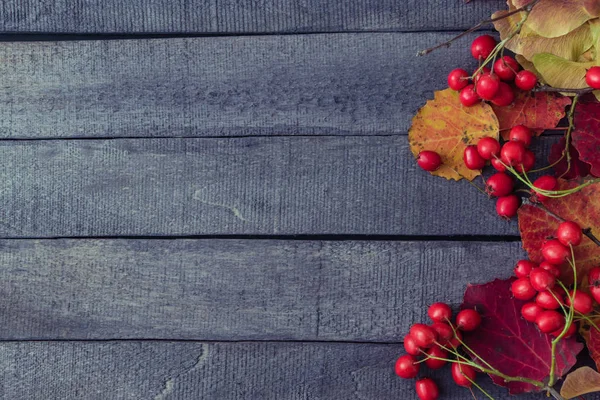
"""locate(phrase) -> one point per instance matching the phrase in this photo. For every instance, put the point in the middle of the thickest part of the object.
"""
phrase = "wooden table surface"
(215, 199)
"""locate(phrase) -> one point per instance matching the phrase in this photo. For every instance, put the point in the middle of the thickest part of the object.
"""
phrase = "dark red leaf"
(510, 344)
(578, 168)
(592, 340)
(586, 135)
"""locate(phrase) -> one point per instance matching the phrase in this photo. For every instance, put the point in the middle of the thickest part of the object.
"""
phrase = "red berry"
(423, 335)
(582, 303)
(506, 68)
(488, 147)
(458, 78)
(438, 352)
(524, 267)
(592, 77)
(530, 311)
(512, 153)
(499, 185)
(429, 160)
(468, 320)
(410, 346)
(472, 158)
(553, 269)
(482, 46)
(569, 233)
(546, 300)
(549, 321)
(594, 276)
(528, 162)
(487, 86)
(444, 331)
(595, 292)
(407, 367)
(468, 96)
(541, 279)
(463, 375)
(427, 389)
(497, 164)
(477, 75)
(504, 96)
(555, 252)
(507, 206)
(546, 182)
(570, 332)
(439, 312)
(522, 289)
(525, 80)
(521, 133)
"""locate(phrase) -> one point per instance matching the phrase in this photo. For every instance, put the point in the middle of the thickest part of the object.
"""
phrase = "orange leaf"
(445, 126)
(538, 111)
(581, 381)
(583, 207)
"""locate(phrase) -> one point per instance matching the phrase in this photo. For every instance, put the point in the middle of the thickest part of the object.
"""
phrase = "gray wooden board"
(234, 186)
(239, 16)
(212, 371)
(342, 84)
(230, 289)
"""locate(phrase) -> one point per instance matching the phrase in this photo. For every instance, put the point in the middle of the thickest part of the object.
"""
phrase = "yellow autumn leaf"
(445, 126)
(553, 18)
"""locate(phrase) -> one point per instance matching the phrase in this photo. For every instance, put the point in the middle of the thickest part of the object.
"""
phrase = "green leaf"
(554, 18)
(561, 73)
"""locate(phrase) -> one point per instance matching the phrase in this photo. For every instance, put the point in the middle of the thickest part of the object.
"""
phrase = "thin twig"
(554, 393)
(527, 7)
(586, 231)
(563, 90)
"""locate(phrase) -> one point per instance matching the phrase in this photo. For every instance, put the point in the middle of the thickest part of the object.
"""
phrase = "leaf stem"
(527, 8)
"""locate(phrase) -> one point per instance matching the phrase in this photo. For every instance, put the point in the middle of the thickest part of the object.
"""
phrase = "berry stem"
(489, 396)
(527, 8)
(568, 321)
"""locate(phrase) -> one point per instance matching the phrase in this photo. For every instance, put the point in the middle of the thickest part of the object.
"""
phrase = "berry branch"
(586, 231)
(551, 89)
(527, 8)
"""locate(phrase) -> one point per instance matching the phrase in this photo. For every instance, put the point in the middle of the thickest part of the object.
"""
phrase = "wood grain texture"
(241, 186)
(223, 371)
(343, 84)
(233, 289)
(239, 16)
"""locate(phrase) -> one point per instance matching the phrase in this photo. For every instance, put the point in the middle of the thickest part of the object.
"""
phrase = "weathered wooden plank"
(239, 16)
(224, 371)
(343, 84)
(234, 289)
(281, 186)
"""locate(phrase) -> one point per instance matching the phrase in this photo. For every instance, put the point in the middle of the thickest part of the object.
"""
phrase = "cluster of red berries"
(432, 343)
(490, 84)
(514, 153)
(538, 284)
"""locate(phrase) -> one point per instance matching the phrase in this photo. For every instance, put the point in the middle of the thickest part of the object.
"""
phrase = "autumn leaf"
(577, 169)
(583, 207)
(581, 381)
(445, 126)
(572, 46)
(538, 111)
(508, 342)
(586, 135)
(561, 73)
(592, 341)
(553, 18)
